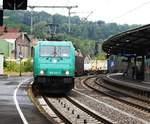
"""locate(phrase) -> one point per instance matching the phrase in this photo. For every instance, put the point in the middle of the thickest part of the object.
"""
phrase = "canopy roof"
(131, 42)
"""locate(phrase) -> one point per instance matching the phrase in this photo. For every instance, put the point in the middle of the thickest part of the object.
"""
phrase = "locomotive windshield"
(55, 51)
(62, 51)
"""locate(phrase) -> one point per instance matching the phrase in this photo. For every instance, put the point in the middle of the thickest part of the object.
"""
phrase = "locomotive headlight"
(54, 60)
(67, 72)
(41, 72)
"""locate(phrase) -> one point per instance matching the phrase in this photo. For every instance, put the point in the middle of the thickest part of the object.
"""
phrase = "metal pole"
(53, 6)
(96, 64)
(69, 13)
(135, 67)
(20, 52)
(143, 67)
(20, 68)
(20, 60)
(31, 27)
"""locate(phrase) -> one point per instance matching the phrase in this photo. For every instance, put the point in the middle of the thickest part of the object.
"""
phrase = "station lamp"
(117, 44)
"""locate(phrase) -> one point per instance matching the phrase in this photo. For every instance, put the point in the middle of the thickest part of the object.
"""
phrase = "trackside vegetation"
(13, 66)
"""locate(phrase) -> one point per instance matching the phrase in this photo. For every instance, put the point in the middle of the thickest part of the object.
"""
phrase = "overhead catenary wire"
(68, 7)
(131, 10)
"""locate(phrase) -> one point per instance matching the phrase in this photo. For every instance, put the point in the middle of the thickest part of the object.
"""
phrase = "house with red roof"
(19, 42)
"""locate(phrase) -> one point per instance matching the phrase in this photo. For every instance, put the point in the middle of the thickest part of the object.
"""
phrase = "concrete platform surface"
(118, 78)
(8, 112)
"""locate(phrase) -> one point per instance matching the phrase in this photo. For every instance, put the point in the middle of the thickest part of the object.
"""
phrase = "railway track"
(129, 100)
(116, 110)
(81, 107)
(66, 110)
(73, 112)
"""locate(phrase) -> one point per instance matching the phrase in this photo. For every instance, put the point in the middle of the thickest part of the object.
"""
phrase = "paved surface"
(8, 111)
(126, 81)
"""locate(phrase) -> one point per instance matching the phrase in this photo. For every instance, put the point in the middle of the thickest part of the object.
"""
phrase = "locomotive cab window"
(47, 51)
(52, 51)
(62, 51)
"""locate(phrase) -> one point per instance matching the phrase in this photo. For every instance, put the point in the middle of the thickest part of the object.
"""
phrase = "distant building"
(14, 43)
(6, 48)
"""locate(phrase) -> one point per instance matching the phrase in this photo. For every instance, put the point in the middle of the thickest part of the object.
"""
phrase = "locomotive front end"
(55, 67)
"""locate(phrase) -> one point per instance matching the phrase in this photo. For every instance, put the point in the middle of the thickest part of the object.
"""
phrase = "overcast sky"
(120, 11)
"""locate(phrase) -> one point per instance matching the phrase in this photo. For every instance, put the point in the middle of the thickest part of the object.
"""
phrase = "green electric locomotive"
(54, 66)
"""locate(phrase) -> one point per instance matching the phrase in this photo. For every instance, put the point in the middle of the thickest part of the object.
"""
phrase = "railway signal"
(8, 4)
(21, 4)
(15, 4)
(1, 17)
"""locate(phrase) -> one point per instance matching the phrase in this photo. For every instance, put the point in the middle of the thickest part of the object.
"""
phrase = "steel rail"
(115, 97)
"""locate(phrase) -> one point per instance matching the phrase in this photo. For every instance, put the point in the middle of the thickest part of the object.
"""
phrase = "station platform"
(119, 79)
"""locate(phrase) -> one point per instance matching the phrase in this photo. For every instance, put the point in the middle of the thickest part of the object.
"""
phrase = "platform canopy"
(133, 42)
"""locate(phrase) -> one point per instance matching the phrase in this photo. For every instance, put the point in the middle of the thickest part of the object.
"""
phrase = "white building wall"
(1, 64)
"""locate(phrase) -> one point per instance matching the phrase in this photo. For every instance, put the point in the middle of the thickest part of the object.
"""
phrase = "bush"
(12, 66)
(28, 65)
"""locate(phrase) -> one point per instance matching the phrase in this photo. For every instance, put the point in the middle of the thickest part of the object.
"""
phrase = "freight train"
(79, 63)
(54, 66)
(95, 66)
